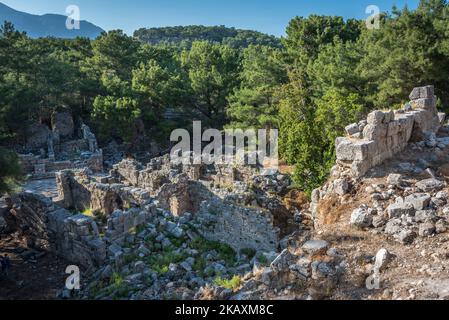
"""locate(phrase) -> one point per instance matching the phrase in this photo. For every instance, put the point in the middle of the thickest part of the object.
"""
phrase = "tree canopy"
(327, 73)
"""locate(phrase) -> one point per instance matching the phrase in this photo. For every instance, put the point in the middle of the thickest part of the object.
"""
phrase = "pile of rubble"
(405, 211)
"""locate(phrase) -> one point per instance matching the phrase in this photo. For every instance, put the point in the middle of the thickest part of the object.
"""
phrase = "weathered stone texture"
(239, 227)
(48, 227)
(38, 136)
(121, 222)
(62, 122)
(388, 133)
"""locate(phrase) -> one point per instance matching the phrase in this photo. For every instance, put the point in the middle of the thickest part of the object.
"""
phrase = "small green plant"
(116, 279)
(118, 287)
(262, 259)
(129, 258)
(140, 228)
(199, 265)
(224, 251)
(88, 212)
(249, 252)
(160, 262)
(232, 284)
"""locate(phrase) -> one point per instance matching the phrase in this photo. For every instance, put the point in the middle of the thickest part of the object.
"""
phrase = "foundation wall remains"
(385, 133)
(49, 227)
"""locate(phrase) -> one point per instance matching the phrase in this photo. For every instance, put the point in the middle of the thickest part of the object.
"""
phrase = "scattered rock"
(362, 217)
(341, 187)
(406, 236)
(419, 201)
(282, 262)
(382, 259)
(430, 185)
(396, 210)
(315, 247)
(427, 229)
(395, 180)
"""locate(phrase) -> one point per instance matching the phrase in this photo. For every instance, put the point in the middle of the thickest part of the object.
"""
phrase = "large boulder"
(38, 136)
(62, 122)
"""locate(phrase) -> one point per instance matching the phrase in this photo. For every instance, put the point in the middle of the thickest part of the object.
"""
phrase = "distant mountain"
(185, 35)
(47, 25)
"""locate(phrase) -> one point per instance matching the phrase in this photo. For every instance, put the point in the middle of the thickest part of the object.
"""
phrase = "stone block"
(348, 150)
(376, 117)
(422, 93)
(352, 129)
(426, 104)
(375, 132)
(396, 210)
(419, 201)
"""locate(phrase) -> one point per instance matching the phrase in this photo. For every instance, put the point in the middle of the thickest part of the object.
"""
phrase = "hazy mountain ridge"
(47, 25)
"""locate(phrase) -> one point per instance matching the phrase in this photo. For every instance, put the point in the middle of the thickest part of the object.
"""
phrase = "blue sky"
(268, 16)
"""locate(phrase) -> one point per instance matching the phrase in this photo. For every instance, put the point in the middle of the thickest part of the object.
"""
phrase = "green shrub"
(224, 251)
(231, 284)
(249, 252)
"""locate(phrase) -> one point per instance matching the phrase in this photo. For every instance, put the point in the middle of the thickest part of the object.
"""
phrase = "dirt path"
(33, 276)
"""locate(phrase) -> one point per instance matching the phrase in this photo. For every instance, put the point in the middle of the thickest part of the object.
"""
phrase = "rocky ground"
(401, 206)
(34, 275)
(381, 236)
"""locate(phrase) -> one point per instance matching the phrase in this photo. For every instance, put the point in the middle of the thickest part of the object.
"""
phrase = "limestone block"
(375, 132)
(375, 117)
(393, 128)
(355, 150)
(426, 104)
(359, 168)
(352, 129)
(422, 93)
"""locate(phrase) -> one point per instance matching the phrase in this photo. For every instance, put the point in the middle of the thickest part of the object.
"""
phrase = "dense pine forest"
(185, 36)
(325, 74)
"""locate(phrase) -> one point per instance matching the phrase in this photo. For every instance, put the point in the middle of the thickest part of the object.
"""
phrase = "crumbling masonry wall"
(386, 133)
(51, 228)
(79, 191)
(239, 227)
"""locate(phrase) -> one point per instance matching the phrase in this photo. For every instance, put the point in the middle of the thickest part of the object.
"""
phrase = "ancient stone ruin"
(169, 229)
(59, 146)
(385, 133)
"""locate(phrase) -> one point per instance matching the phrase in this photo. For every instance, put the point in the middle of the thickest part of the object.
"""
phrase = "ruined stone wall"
(385, 133)
(57, 148)
(239, 227)
(78, 191)
(48, 227)
(154, 175)
(121, 222)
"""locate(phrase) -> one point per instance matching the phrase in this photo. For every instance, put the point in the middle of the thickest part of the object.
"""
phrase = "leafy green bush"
(232, 284)
(224, 251)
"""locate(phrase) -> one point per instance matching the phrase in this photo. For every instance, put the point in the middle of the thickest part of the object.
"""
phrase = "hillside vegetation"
(184, 36)
(328, 73)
